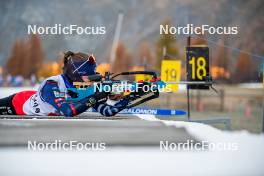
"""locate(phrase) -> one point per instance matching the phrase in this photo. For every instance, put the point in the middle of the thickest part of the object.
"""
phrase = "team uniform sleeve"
(60, 104)
(109, 110)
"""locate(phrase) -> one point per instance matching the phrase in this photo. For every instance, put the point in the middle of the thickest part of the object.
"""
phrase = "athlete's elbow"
(68, 113)
(109, 114)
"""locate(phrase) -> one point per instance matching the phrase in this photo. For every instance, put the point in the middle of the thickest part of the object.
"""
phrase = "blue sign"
(151, 111)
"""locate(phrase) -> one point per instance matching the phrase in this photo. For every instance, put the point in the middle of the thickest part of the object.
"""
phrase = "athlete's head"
(78, 66)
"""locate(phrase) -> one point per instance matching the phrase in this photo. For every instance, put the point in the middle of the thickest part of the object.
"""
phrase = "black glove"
(101, 96)
(140, 89)
(72, 94)
(98, 97)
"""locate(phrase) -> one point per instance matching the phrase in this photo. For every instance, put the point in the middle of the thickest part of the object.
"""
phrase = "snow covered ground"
(6, 91)
(130, 161)
(246, 159)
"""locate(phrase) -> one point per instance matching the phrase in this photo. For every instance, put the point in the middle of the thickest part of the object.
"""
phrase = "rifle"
(136, 94)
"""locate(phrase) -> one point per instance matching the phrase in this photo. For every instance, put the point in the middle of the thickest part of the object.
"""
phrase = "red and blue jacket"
(46, 102)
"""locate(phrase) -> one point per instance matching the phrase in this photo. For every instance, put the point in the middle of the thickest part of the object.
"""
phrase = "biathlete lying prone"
(77, 68)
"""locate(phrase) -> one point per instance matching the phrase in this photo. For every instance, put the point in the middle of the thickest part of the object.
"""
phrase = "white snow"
(247, 160)
(251, 85)
(130, 161)
(7, 91)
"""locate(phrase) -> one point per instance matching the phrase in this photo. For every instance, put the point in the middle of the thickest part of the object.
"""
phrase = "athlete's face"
(86, 80)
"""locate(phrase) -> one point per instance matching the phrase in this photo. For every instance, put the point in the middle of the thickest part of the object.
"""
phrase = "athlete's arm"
(67, 109)
(108, 110)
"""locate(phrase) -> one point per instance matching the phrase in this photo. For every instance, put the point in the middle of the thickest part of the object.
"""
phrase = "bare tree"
(243, 70)
(123, 59)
